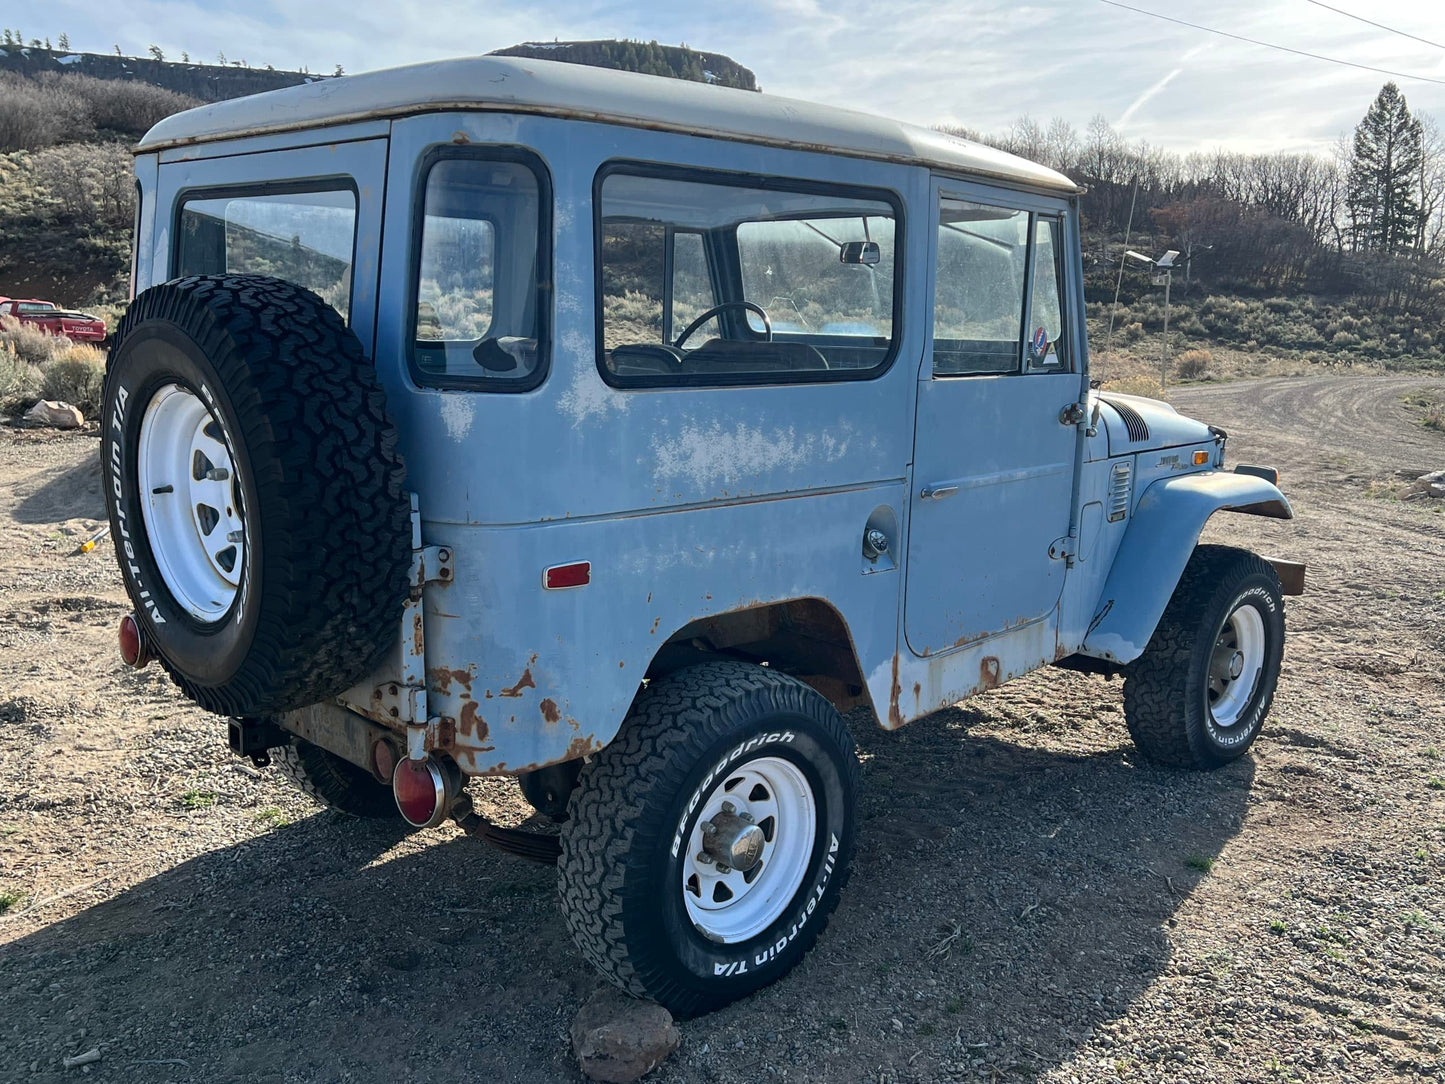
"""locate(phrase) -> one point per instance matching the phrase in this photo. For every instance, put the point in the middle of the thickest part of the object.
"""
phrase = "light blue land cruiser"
(503, 417)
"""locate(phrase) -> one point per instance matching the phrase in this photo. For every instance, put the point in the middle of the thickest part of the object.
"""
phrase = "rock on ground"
(620, 1039)
(54, 413)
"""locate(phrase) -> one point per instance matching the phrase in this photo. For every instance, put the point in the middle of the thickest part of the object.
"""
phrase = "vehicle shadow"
(1005, 901)
(71, 494)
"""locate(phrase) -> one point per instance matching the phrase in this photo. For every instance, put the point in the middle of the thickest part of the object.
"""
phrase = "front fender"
(1162, 534)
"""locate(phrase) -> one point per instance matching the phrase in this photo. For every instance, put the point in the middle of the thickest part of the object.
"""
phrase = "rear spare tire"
(255, 492)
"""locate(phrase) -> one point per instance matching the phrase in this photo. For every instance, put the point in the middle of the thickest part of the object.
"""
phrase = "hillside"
(204, 82)
(650, 58)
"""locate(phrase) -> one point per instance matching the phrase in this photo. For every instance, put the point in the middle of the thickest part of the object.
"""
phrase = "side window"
(1047, 348)
(479, 291)
(303, 237)
(978, 303)
(797, 281)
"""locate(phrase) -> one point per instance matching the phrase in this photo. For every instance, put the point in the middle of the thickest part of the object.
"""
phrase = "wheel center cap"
(733, 840)
(1236, 664)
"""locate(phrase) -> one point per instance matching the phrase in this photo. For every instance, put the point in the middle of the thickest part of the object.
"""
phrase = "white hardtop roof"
(519, 85)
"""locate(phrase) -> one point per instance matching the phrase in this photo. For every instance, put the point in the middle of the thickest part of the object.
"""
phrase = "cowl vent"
(1134, 423)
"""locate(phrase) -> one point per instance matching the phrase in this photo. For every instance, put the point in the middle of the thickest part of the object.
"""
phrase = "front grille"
(1134, 423)
(1121, 479)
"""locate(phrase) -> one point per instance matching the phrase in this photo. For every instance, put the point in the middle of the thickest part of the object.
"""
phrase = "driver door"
(993, 463)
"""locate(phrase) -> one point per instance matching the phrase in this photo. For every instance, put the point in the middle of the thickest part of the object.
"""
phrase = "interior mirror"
(861, 253)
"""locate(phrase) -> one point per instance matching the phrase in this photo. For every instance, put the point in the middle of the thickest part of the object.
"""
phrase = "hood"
(1137, 424)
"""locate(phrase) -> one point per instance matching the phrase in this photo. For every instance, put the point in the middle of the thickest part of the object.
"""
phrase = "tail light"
(134, 651)
(424, 790)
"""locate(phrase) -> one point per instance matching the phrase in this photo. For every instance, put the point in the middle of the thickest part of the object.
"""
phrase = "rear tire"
(1198, 695)
(335, 782)
(693, 935)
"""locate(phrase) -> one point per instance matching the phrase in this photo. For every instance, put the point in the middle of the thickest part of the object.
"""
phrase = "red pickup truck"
(46, 315)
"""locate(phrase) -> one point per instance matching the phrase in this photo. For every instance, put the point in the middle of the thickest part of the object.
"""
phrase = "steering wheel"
(710, 313)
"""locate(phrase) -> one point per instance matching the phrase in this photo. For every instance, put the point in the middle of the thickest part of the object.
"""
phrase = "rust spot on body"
(524, 682)
(549, 710)
(472, 725)
(418, 633)
(917, 694)
(655, 623)
(441, 679)
(895, 715)
(988, 672)
(582, 746)
(446, 733)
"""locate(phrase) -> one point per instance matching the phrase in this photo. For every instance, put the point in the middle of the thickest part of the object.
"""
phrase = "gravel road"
(1030, 901)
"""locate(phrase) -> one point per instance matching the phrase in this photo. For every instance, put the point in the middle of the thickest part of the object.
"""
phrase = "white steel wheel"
(190, 500)
(1235, 665)
(763, 814)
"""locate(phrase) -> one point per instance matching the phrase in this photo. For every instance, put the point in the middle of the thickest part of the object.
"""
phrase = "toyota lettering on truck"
(494, 417)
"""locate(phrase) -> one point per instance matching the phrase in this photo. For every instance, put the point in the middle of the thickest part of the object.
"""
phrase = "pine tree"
(64, 42)
(1381, 196)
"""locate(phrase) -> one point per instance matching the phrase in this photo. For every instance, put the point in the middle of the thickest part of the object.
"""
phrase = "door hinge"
(1072, 414)
(1063, 549)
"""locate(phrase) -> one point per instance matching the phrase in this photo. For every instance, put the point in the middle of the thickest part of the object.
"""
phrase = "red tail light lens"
(132, 643)
(578, 574)
(421, 791)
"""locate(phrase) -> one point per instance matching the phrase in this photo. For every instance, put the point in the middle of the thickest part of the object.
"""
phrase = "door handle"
(936, 493)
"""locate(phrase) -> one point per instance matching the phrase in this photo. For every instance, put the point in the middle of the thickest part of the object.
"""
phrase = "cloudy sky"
(979, 63)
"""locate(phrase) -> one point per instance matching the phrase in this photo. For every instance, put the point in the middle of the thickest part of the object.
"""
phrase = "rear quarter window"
(304, 237)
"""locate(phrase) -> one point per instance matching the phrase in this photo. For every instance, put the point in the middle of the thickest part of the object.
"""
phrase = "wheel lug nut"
(746, 818)
(724, 869)
(218, 474)
(727, 807)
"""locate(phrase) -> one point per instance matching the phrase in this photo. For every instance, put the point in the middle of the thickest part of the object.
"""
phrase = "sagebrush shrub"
(19, 381)
(1193, 364)
(34, 346)
(75, 377)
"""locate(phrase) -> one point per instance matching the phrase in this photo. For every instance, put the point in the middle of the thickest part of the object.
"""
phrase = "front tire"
(1198, 695)
(719, 758)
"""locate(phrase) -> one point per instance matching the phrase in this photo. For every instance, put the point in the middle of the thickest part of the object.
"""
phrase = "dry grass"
(1146, 386)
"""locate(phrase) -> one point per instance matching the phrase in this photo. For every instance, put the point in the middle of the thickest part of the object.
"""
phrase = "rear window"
(714, 279)
(481, 287)
(306, 238)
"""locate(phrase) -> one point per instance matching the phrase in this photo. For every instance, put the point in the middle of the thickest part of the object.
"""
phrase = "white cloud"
(980, 63)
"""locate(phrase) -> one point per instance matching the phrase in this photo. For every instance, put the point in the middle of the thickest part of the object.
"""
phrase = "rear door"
(309, 215)
(993, 463)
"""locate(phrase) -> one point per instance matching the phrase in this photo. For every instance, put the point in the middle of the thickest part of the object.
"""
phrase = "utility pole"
(1165, 263)
(1163, 276)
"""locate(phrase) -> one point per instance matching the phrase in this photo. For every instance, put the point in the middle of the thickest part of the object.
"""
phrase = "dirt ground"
(1030, 902)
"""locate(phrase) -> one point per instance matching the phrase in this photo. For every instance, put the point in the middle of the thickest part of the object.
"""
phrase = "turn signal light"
(577, 574)
(420, 789)
(1201, 458)
(133, 650)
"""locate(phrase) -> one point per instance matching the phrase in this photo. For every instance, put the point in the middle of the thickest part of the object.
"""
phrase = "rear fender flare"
(1161, 536)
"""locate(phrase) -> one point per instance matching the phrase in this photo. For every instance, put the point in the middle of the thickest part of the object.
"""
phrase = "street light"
(1164, 263)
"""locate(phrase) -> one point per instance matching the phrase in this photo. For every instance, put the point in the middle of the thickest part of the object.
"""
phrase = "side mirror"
(860, 253)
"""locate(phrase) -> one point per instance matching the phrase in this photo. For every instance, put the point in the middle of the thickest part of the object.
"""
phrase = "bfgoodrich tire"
(1198, 695)
(255, 492)
(640, 900)
(335, 782)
